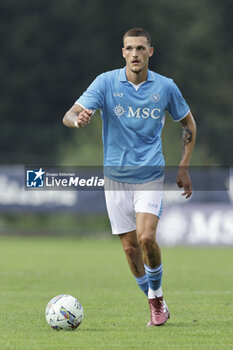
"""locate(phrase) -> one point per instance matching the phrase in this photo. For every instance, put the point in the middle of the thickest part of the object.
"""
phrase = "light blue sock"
(143, 283)
(154, 276)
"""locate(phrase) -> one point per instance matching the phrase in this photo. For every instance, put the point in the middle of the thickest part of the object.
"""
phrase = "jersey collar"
(122, 75)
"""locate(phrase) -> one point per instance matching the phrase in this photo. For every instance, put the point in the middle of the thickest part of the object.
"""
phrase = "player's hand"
(183, 180)
(84, 117)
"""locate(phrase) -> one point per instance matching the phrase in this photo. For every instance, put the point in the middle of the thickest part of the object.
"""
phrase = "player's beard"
(136, 71)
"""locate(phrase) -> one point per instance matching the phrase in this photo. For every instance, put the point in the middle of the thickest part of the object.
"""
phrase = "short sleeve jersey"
(132, 122)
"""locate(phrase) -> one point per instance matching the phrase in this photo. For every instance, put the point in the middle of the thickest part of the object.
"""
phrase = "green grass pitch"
(197, 283)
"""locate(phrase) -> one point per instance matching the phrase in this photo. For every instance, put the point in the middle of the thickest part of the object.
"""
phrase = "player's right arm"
(77, 116)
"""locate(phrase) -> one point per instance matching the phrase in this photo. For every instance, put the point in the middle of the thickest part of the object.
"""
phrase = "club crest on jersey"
(155, 98)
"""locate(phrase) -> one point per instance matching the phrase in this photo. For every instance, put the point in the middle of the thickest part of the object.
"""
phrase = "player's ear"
(123, 52)
(151, 52)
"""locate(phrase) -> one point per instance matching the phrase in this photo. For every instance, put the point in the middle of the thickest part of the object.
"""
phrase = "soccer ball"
(64, 312)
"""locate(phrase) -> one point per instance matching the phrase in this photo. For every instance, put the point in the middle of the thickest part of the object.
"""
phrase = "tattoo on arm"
(187, 136)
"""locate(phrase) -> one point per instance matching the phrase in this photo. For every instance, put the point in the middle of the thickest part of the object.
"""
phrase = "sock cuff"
(141, 279)
(156, 271)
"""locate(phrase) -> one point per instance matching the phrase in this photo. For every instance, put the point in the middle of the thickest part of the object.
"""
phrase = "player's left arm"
(189, 138)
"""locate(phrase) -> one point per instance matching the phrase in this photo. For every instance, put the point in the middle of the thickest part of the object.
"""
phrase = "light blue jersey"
(132, 122)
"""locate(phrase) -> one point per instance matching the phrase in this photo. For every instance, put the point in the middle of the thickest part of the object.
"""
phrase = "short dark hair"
(137, 32)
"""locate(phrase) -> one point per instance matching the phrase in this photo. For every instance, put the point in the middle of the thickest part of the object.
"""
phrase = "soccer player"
(133, 101)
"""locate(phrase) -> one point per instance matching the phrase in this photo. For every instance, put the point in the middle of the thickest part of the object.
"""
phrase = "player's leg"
(133, 254)
(148, 205)
(119, 202)
(146, 233)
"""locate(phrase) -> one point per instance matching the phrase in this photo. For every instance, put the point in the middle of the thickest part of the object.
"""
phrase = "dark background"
(52, 50)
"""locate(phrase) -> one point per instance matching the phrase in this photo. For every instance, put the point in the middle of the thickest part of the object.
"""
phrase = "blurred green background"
(52, 50)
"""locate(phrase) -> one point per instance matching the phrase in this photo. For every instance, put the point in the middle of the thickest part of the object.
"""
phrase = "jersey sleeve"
(177, 106)
(93, 97)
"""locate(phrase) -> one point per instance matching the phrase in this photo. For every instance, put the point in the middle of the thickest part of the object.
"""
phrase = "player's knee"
(147, 239)
(131, 250)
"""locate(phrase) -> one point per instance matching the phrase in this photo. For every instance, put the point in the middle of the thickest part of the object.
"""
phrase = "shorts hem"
(149, 212)
(122, 231)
